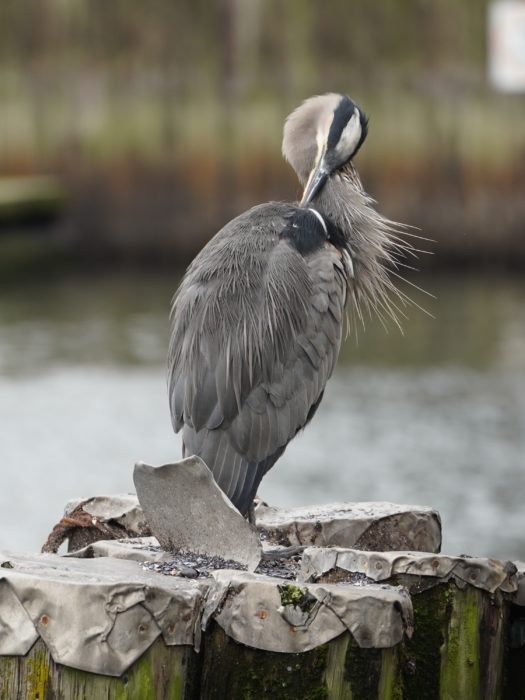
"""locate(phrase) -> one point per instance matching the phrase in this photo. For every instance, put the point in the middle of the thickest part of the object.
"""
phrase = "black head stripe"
(342, 115)
(364, 131)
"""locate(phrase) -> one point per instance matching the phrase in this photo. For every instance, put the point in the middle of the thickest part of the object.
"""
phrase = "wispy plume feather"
(380, 248)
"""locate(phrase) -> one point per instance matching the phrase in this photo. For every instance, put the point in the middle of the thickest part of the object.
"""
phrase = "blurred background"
(130, 133)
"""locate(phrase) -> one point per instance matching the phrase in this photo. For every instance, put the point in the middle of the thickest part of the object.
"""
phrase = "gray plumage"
(257, 320)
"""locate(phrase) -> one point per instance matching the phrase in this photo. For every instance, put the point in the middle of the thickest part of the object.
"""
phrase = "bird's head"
(320, 137)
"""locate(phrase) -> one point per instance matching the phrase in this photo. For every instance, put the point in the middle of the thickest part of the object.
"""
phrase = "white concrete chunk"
(188, 512)
(368, 526)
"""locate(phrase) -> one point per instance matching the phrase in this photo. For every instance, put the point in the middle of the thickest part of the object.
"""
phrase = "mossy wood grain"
(514, 656)
(166, 673)
(460, 650)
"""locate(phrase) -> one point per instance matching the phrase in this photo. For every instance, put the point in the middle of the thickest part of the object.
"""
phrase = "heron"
(257, 321)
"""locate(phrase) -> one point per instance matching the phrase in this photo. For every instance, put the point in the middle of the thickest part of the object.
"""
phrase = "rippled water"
(435, 416)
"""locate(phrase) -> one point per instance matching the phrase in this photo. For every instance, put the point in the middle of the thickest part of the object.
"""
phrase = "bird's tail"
(237, 477)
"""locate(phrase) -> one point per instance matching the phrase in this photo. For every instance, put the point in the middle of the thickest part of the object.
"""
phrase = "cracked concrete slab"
(188, 512)
(368, 526)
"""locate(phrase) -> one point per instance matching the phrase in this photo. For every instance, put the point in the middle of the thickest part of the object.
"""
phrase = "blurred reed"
(165, 119)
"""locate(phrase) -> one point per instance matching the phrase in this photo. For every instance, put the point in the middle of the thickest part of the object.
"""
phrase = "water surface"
(435, 416)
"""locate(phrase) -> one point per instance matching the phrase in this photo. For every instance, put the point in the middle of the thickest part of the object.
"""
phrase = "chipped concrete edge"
(40, 596)
(487, 574)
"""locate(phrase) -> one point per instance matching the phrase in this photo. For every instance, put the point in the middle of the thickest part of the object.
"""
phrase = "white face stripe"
(322, 221)
(350, 136)
(345, 147)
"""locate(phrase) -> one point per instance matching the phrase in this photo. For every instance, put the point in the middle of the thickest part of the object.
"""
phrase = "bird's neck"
(374, 243)
(343, 201)
(370, 239)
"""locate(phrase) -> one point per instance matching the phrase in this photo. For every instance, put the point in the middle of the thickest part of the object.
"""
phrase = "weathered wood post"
(124, 619)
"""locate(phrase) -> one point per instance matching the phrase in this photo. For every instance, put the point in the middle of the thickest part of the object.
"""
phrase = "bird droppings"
(191, 565)
(275, 537)
(280, 568)
(338, 575)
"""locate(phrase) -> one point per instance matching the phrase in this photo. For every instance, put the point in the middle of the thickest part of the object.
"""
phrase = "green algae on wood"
(347, 679)
(390, 684)
(421, 655)
(337, 683)
(460, 671)
(292, 594)
(9, 679)
(363, 669)
(493, 630)
(514, 656)
(456, 652)
(238, 672)
(162, 672)
(159, 673)
(38, 668)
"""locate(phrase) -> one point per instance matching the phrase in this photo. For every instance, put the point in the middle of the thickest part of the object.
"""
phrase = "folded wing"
(256, 333)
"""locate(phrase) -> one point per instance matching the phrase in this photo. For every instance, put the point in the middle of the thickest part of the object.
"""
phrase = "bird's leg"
(251, 513)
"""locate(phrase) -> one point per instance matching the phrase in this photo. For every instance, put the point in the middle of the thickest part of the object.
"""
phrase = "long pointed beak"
(316, 181)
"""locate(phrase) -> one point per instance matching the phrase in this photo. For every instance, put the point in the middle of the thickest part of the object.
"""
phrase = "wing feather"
(256, 333)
